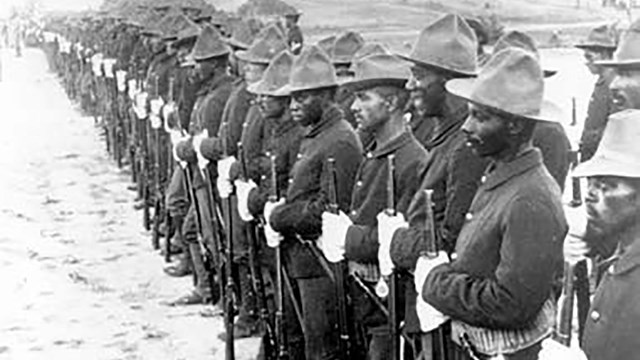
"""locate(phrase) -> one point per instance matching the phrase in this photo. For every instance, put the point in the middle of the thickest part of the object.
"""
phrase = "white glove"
(156, 122)
(334, 234)
(197, 141)
(156, 105)
(243, 188)
(552, 349)
(176, 139)
(387, 226)
(225, 188)
(224, 167)
(424, 267)
(430, 318)
(574, 247)
(273, 237)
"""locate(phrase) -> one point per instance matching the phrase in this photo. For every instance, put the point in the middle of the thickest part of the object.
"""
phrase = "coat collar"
(330, 116)
(449, 122)
(499, 173)
(212, 83)
(392, 146)
(626, 260)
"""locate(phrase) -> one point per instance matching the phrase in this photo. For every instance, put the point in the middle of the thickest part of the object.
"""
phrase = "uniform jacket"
(509, 249)
(283, 141)
(600, 107)
(613, 324)
(233, 116)
(309, 186)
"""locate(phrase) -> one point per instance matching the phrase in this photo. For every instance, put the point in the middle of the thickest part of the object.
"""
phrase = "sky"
(6, 5)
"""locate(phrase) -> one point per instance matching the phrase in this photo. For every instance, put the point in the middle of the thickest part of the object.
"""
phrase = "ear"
(515, 126)
(392, 103)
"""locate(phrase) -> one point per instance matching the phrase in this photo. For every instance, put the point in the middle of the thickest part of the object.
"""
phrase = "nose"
(615, 83)
(468, 125)
(591, 197)
(294, 104)
(355, 107)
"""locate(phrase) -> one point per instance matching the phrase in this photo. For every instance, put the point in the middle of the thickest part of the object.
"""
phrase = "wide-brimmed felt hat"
(369, 49)
(376, 70)
(275, 77)
(312, 69)
(345, 46)
(618, 153)
(189, 31)
(511, 82)
(209, 45)
(269, 43)
(241, 35)
(326, 44)
(521, 40)
(179, 25)
(449, 44)
(292, 12)
(628, 51)
(601, 37)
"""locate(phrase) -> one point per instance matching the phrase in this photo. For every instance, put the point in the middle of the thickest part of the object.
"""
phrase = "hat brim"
(618, 63)
(357, 85)
(203, 58)
(585, 46)
(237, 44)
(603, 166)
(458, 72)
(245, 56)
(259, 88)
(463, 88)
(289, 89)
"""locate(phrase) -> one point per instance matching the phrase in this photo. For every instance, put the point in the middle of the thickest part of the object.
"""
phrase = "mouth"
(619, 101)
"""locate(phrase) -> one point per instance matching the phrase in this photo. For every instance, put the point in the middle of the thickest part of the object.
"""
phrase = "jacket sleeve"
(304, 217)
(530, 255)
(554, 145)
(362, 240)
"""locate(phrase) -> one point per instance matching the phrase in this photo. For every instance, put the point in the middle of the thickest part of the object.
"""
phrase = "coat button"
(369, 155)
(483, 179)
(468, 216)
(298, 156)
(359, 183)
(354, 213)
(595, 316)
(290, 181)
(612, 269)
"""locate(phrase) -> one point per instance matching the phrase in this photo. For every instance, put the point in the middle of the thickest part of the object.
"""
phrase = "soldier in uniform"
(612, 213)
(295, 39)
(498, 290)
(296, 219)
(379, 108)
(599, 45)
(341, 54)
(211, 56)
(282, 142)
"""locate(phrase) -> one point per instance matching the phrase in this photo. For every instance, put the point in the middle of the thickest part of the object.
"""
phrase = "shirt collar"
(394, 144)
(330, 116)
(499, 173)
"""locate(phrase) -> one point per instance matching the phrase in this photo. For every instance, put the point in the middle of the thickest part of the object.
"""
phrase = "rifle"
(269, 337)
(144, 171)
(433, 342)
(339, 270)
(167, 217)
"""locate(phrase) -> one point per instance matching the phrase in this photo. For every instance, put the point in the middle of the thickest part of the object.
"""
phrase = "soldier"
(625, 87)
(498, 290)
(379, 108)
(612, 213)
(282, 143)
(211, 56)
(296, 219)
(341, 55)
(599, 45)
(295, 39)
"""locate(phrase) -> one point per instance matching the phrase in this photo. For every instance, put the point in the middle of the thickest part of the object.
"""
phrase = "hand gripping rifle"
(169, 166)
(433, 343)
(339, 270)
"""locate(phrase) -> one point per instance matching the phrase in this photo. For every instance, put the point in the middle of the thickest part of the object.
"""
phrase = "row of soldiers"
(345, 202)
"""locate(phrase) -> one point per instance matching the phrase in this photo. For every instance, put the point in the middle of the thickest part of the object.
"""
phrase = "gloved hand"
(197, 141)
(224, 166)
(243, 188)
(430, 318)
(387, 226)
(574, 247)
(424, 267)
(177, 138)
(225, 188)
(273, 237)
(334, 233)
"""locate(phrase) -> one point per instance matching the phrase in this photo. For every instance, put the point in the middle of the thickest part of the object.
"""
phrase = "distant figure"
(294, 34)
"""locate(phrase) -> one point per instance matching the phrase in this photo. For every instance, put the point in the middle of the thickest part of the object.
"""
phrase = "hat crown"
(276, 75)
(345, 47)
(183, 27)
(629, 48)
(369, 49)
(517, 39)
(511, 81)
(209, 44)
(601, 36)
(265, 47)
(381, 66)
(311, 70)
(326, 44)
(449, 43)
(241, 35)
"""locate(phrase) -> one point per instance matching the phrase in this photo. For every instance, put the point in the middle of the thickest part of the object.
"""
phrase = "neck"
(390, 130)
(628, 237)
(514, 151)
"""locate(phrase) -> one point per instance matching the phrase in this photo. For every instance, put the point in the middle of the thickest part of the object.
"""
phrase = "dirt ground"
(78, 276)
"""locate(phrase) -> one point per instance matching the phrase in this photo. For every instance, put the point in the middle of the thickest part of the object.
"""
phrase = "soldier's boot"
(204, 292)
(184, 266)
(247, 323)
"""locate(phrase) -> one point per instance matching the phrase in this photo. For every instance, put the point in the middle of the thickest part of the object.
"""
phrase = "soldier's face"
(370, 109)
(486, 133)
(272, 106)
(204, 69)
(613, 204)
(625, 89)
(591, 56)
(427, 91)
(306, 107)
(253, 72)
